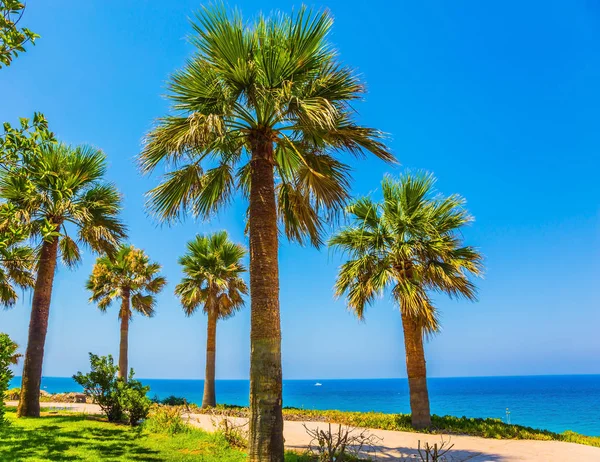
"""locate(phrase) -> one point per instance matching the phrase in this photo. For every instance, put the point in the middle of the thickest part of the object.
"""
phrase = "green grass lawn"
(64, 437)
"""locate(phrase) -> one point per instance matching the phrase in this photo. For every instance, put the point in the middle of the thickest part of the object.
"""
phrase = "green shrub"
(173, 401)
(133, 400)
(116, 397)
(8, 357)
(13, 394)
(166, 419)
(101, 384)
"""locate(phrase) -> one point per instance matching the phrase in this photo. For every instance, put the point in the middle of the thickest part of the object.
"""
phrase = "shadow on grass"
(52, 442)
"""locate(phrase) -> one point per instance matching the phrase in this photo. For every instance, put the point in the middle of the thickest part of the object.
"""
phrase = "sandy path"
(397, 446)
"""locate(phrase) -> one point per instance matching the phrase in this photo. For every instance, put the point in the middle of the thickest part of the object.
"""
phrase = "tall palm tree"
(212, 268)
(261, 108)
(410, 243)
(62, 191)
(130, 276)
(17, 260)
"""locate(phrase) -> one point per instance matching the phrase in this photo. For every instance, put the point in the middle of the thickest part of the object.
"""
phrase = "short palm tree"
(261, 108)
(17, 259)
(212, 267)
(410, 243)
(61, 190)
(130, 276)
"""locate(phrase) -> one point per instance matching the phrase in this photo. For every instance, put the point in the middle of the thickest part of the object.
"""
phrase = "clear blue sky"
(500, 101)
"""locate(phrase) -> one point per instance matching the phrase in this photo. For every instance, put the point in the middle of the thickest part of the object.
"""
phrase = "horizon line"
(354, 378)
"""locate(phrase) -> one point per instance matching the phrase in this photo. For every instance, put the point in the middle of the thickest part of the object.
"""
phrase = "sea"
(556, 403)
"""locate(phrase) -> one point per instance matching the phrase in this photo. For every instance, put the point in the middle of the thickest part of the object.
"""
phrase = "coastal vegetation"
(117, 397)
(409, 244)
(212, 279)
(61, 191)
(130, 276)
(59, 436)
(262, 108)
(261, 113)
(443, 425)
(8, 357)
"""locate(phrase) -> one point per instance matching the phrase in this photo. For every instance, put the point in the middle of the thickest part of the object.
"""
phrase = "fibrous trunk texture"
(29, 404)
(266, 422)
(417, 372)
(124, 342)
(209, 399)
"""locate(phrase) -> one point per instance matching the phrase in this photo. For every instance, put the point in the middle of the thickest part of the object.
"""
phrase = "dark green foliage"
(173, 401)
(8, 357)
(19, 143)
(17, 259)
(133, 400)
(12, 38)
(101, 384)
(116, 397)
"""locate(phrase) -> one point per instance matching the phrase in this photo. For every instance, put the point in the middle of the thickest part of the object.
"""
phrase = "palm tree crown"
(274, 86)
(212, 268)
(410, 243)
(262, 108)
(62, 186)
(129, 273)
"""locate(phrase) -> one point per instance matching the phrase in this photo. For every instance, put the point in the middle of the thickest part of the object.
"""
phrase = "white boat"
(317, 384)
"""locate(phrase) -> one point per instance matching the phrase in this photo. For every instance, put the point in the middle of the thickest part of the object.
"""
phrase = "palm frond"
(212, 267)
(409, 243)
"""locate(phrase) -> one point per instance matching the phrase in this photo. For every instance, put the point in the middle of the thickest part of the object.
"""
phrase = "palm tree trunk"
(29, 404)
(266, 421)
(417, 372)
(209, 399)
(124, 343)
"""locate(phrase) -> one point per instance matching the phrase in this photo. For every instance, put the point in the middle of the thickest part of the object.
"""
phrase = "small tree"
(116, 396)
(101, 384)
(8, 357)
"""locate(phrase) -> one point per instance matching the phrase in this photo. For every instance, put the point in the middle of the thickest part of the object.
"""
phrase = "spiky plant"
(409, 244)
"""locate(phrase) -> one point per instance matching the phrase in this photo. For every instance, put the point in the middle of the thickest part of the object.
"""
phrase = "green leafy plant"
(8, 357)
(17, 258)
(166, 419)
(172, 401)
(118, 398)
(101, 384)
(12, 38)
(25, 140)
(133, 400)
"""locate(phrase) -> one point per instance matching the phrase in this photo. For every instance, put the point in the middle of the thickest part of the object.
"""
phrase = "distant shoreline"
(557, 403)
(358, 378)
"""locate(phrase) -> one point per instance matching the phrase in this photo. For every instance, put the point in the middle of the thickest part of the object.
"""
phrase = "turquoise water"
(556, 403)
